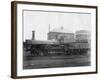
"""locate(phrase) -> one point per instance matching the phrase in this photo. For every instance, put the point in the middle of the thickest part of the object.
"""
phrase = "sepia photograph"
(53, 39)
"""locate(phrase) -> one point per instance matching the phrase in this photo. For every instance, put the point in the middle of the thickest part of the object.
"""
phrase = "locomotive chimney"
(62, 27)
(33, 35)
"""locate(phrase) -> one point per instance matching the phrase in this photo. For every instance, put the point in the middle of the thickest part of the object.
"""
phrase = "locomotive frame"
(14, 39)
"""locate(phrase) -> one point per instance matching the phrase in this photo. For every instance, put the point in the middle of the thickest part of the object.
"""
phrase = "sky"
(39, 21)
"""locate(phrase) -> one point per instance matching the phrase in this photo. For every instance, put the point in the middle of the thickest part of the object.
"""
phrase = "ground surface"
(56, 61)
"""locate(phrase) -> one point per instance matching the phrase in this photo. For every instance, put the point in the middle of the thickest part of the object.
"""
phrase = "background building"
(61, 35)
(82, 36)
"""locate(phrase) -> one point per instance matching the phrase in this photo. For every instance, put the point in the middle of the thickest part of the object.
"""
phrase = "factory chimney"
(49, 27)
(33, 35)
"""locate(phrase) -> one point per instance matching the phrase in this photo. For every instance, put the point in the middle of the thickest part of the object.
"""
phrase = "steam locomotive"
(53, 48)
